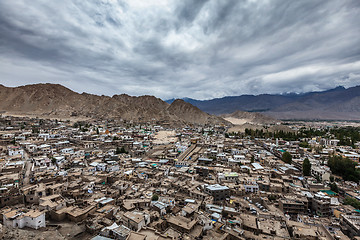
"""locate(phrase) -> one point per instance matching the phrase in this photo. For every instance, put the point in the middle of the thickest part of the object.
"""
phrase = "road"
(28, 166)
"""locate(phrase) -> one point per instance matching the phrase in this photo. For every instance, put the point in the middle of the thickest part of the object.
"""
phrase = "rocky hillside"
(190, 113)
(53, 100)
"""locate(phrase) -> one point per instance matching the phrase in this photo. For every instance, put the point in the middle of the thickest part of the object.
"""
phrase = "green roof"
(329, 192)
(232, 174)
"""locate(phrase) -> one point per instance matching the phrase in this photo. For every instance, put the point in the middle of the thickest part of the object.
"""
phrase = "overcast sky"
(198, 49)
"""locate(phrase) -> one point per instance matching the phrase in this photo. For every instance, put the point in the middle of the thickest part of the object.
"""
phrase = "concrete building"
(293, 206)
(351, 225)
(18, 219)
(136, 220)
(218, 192)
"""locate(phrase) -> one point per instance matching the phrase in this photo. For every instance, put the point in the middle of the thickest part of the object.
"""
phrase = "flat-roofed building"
(136, 220)
(293, 206)
(218, 191)
(17, 219)
(350, 224)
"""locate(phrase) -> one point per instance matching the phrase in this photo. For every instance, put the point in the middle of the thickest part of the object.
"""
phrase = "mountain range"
(57, 101)
(335, 104)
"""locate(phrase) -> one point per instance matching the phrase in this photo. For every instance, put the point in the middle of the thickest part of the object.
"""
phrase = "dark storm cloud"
(199, 49)
(188, 10)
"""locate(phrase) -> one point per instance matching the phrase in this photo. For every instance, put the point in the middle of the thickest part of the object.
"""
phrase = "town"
(116, 179)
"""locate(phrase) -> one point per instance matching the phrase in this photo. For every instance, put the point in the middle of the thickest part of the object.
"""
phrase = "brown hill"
(190, 113)
(54, 100)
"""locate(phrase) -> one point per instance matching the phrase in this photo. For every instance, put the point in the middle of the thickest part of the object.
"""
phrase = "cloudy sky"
(198, 49)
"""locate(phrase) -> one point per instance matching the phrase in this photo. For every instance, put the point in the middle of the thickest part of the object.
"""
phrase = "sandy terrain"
(165, 137)
(42, 116)
(242, 127)
(237, 121)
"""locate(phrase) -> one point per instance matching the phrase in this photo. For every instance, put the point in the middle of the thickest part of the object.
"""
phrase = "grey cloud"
(199, 49)
(188, 10)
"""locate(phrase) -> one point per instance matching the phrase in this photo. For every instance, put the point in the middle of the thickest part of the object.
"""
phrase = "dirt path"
(28, 165)
(165, 137)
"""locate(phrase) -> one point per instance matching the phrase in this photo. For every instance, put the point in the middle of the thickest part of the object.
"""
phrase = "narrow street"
(28, 166)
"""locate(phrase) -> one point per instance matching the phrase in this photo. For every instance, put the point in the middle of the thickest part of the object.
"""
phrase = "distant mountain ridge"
(54, 100)
(334, 104)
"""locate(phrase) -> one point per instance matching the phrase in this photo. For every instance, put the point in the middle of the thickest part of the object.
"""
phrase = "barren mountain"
(334, 104)
(53, 100)
(190, 113)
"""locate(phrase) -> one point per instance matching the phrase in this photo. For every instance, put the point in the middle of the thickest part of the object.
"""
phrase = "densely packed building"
(121, 180)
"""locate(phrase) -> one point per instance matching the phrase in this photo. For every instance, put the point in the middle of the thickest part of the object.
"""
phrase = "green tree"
(344, 167)
(35, 130)
(286, 157)
(272, 197)
(304, 144)
(117, 150)
(306, 167)
(334, 187)
(154, 197)
(120, 150)
(353, 202)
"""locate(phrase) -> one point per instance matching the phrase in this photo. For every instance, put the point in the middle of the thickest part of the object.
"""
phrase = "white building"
(251, 186)
(112, 166)
(228, 176)
(67, 151)
(14, 150)
(18, 219)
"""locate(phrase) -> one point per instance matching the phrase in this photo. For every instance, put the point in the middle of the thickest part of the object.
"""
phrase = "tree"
(272, 197)
(304, 144)
(120, 150)
(306, 167)
(155, 197)
(35, 130)
(344, 167)
(117, 150)
(353, 202)
(286, 157)
(334, 187)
